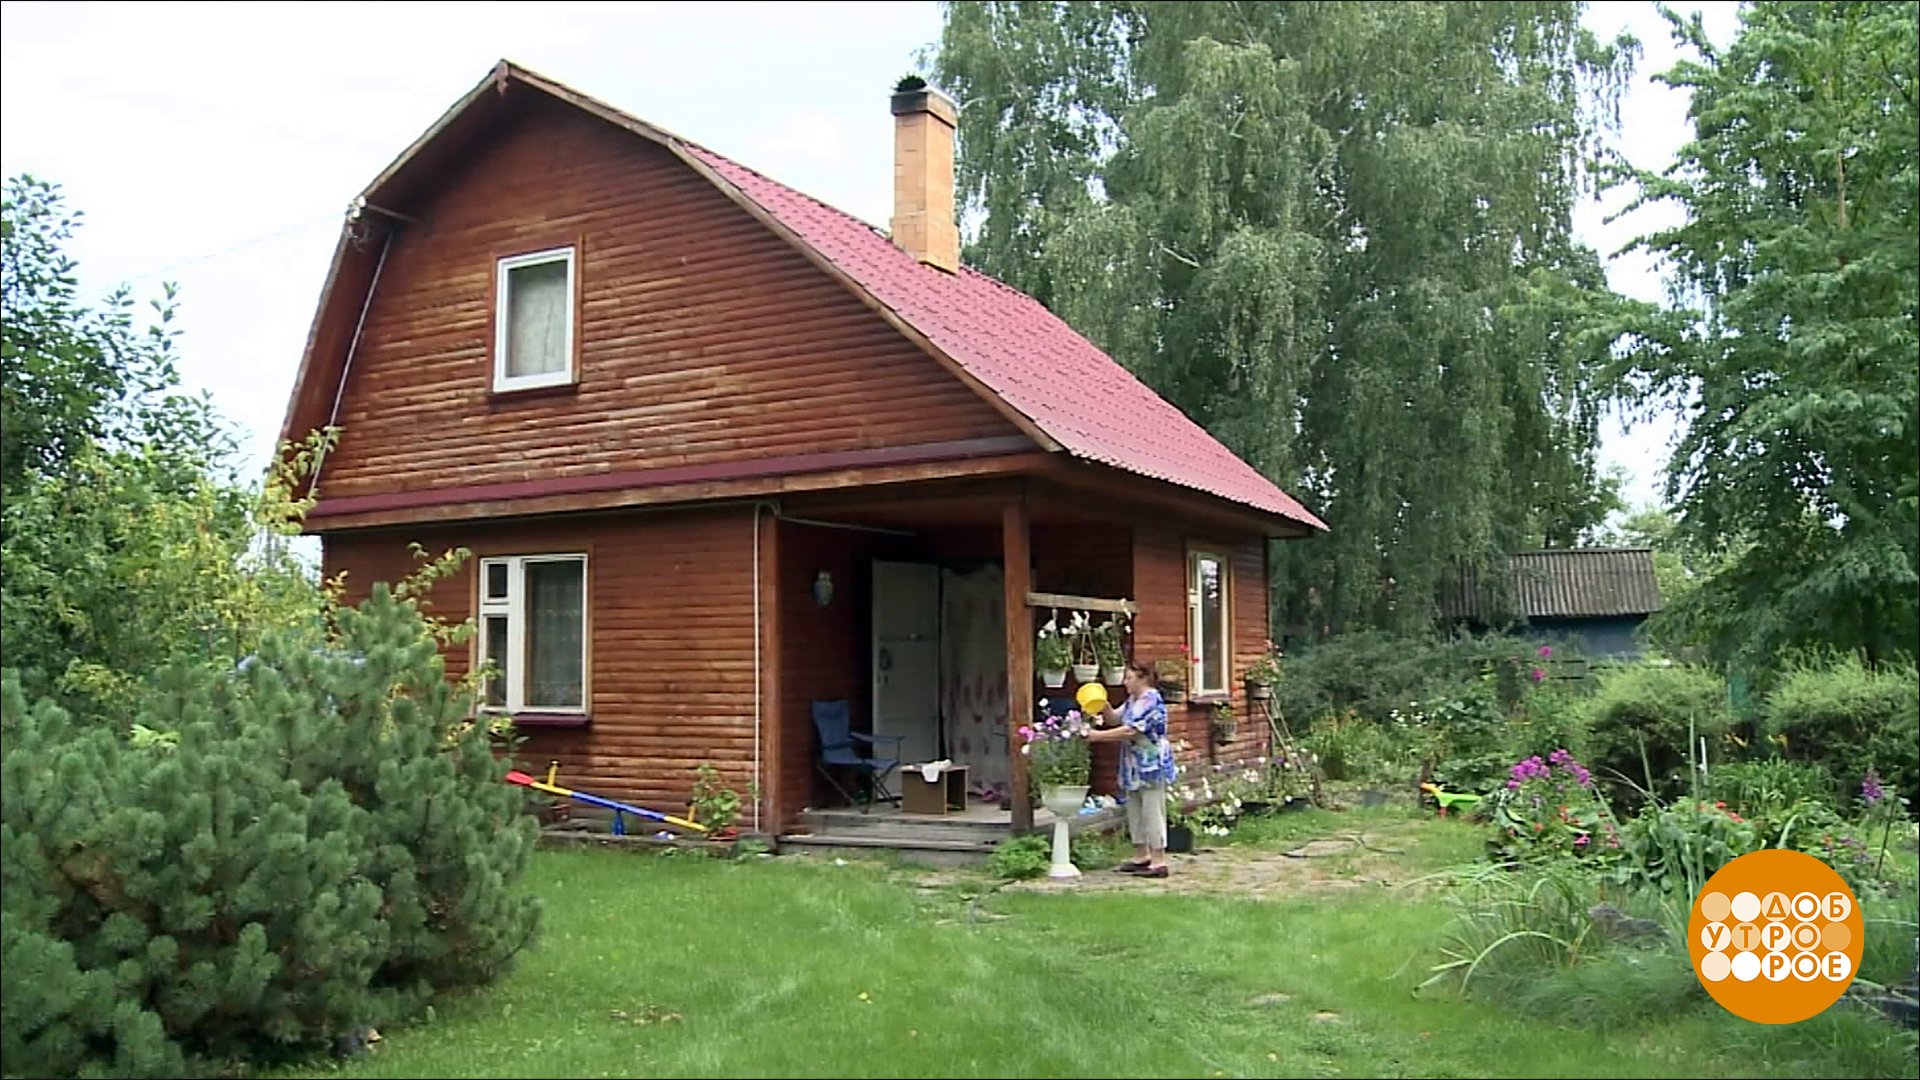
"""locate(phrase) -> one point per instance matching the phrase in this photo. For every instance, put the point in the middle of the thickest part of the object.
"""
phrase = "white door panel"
(906, 657)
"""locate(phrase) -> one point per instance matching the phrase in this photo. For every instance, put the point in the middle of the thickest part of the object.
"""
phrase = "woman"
(1146, 768)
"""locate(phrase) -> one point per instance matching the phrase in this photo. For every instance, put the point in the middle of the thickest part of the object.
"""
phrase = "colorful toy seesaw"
(620, 809)
(1449, 799)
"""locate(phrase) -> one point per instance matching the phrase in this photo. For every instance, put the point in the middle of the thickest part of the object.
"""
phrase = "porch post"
(1015, 550)
(769, 719)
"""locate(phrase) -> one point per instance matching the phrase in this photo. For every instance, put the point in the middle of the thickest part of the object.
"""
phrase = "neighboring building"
(721, 451)
(1595, 598)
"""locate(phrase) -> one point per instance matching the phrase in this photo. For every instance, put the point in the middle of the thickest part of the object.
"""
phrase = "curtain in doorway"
(973, 694)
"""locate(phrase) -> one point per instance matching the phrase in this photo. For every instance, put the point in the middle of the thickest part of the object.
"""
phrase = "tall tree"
(1798, 281)
(74, 375)
(1336, 234)
(126, 540)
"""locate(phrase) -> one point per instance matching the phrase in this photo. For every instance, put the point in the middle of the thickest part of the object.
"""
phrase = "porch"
(911, 611)
(910, 618)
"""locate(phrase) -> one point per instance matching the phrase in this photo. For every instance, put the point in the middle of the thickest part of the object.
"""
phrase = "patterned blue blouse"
(1147, 759)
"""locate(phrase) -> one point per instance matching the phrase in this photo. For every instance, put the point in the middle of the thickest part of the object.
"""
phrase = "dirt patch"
(1339, 862)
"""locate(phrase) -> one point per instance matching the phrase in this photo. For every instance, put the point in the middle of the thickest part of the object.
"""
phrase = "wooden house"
(721, 451)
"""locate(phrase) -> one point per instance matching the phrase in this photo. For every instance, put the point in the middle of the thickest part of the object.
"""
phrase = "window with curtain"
(533, 621)
(1211, 649)
(533, 324)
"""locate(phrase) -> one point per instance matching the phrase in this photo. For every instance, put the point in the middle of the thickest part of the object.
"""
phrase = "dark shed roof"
(1560, 584)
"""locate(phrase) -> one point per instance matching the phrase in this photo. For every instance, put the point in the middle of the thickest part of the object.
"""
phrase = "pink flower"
(1537, 675)
(1546, 651)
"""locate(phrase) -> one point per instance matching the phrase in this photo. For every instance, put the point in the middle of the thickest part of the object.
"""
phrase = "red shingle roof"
(1078, 395)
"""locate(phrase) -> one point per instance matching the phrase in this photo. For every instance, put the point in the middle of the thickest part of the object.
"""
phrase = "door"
(906, 657)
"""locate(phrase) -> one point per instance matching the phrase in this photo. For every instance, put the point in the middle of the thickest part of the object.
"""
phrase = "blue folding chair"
(837, 751)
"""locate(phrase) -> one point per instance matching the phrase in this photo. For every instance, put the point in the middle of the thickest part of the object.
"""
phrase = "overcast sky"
(218, 147)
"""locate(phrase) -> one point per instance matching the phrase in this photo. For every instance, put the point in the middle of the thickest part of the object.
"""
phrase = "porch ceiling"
(934, 507)
(1069, 495)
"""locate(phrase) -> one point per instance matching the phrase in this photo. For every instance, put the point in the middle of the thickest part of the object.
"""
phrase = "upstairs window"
(1211, 650)
(533, 320)
(533, 627)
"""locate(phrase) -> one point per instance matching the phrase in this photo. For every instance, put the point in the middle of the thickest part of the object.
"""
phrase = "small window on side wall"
(533, 320)
(1209, 646)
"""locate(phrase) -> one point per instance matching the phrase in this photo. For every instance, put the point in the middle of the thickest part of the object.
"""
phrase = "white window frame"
(512, 607)
(1197, 641)
(502, 307)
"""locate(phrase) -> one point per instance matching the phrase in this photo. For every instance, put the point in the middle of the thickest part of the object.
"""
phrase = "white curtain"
(974, 684)
(555, 596)
(537, 314)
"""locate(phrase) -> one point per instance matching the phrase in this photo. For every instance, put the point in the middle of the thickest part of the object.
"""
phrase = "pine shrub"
(283, 853)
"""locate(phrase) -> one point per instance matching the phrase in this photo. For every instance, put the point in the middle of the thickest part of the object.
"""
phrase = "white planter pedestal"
(1064, 803)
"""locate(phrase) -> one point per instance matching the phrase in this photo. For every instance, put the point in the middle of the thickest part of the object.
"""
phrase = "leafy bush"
(288, 852)
(1348, 746)
(1850, 719)
(1551, 717)
(1768, 787)
(1374, 672)
(1019, 857)
(1463, 736)
(1673, 850)
(1642, 718)
(714, 804)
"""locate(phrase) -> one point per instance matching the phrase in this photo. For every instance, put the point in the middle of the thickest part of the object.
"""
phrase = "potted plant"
(1264, 674)
(1051, 655)
(1179, 820)
(1109, 646)
(1058, 758)
(1086, 664)
(1171, 676)
(714, 804)
(1225, 724)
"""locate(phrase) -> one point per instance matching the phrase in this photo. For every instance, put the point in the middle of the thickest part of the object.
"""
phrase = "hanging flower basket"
(1054, 679)
(1224, 724)
(1113, 676)
(1086, 672)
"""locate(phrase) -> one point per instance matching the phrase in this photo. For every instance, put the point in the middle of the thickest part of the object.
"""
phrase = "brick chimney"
(923, 224)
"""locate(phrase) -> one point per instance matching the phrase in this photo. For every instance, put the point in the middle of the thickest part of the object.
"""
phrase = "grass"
(684, 966)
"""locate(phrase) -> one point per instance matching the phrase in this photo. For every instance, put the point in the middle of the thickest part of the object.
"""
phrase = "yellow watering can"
(1092, 698)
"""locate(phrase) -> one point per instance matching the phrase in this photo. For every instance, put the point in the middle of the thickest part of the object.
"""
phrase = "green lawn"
(792, 966)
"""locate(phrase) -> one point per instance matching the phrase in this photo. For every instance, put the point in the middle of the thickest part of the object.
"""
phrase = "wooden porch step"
(925, 850)
(831, 823)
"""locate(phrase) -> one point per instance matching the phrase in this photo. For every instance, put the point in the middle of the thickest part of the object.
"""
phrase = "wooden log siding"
(670, 640)
(1160, 582)
(703, 337)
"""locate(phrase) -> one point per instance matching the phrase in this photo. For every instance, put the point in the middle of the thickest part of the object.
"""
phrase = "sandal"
(1153, 871)
(1131, 867)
